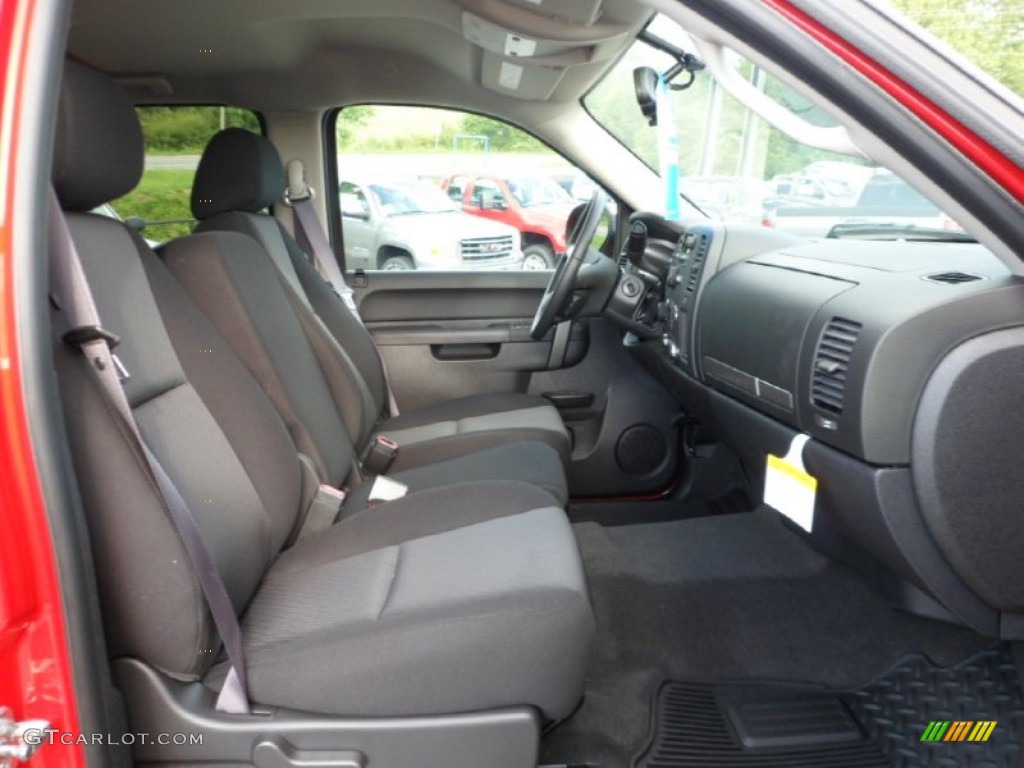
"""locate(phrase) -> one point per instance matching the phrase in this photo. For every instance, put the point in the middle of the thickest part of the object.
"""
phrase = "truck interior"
(705, 493)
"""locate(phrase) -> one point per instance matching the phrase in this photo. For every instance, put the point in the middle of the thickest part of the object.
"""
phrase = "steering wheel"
(560, 287)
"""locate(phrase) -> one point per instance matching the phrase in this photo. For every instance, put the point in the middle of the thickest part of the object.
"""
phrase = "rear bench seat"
(457, 598)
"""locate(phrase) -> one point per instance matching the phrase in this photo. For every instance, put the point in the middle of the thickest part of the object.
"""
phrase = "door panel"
(626, 442)
(398, 296)
(452, 334)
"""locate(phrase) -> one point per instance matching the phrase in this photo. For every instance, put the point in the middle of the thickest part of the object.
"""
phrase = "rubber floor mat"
(916, 715)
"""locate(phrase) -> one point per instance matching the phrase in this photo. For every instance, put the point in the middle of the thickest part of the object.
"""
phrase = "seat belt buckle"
(379, 455)
(324, 510)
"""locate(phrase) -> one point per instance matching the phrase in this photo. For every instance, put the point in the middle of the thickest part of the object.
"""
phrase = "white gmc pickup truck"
(885, 202)
(395, 224)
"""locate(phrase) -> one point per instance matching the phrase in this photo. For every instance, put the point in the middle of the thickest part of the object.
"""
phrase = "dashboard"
(902, 363)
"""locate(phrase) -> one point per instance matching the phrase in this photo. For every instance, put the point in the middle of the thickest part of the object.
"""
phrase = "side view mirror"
(645, 83)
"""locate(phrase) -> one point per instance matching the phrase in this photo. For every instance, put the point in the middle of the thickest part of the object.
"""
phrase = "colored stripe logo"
(959, 730)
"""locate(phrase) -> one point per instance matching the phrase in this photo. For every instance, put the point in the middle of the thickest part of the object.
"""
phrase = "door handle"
(463, 352)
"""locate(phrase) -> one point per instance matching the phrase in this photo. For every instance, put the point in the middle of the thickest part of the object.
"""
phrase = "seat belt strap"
(71, 290)
(299, 196)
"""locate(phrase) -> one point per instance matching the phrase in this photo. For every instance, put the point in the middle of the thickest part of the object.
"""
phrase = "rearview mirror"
(645, 83)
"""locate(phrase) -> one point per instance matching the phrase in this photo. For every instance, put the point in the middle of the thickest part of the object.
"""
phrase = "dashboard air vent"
(700, 253)
(831, 363)
(952, 278)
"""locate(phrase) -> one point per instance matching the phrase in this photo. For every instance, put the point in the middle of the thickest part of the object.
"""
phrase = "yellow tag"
(788, 487)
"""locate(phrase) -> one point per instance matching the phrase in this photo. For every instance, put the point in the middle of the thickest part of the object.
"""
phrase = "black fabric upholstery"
(243, 297)
(253, 427)
(355, 370)
(477, 617)
(466, 407)
(533, 463)
(98, 150)
(345, 326)
(152, 602)
(476, 423)
(468, 598)
(239, 171)
(423, 513)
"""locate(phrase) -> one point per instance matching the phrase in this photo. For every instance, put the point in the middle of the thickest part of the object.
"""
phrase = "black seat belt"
(71, 291)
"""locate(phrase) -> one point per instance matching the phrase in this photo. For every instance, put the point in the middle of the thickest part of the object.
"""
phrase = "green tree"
(350, 120)
(503, 137)
(187, 129)
(988, 32)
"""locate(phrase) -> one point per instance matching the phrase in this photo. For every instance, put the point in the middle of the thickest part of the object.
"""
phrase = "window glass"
(450, 190)
(990, 33)
(457, 188)
(175, 138)
(735, 166)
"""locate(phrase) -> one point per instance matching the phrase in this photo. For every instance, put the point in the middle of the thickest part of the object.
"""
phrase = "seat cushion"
(480, 616)
(535, 463)
(469, 424)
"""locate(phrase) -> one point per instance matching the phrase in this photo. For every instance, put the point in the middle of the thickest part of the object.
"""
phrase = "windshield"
(989, 33)
(405, 198)
(735, 166)
(537, 191)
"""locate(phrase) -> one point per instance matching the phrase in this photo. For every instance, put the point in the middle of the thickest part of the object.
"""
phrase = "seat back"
(199, 411)
(238, 287)
(239, 177)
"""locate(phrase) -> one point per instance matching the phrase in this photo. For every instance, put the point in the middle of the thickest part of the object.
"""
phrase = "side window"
(353, 202)
(450, 191)
(488, 196)
(457, 188)
(175, 137)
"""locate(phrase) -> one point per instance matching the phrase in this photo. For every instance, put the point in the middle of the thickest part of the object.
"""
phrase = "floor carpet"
(729, 597)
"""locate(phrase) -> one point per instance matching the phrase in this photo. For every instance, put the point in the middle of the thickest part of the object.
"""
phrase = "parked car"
(825, 182)
(729, 198)
(885, 199)
(536, 206)
(579, 186)
(396, 224)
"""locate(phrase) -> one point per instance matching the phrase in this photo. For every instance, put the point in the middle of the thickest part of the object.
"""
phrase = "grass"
(163, 194)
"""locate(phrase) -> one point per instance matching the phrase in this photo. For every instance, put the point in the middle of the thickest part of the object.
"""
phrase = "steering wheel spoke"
(560, 289)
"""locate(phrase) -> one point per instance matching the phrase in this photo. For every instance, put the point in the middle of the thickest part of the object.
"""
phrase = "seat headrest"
(239, 171)
(99, 154)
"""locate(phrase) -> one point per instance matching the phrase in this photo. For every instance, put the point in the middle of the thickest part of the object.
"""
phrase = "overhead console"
(530, 45)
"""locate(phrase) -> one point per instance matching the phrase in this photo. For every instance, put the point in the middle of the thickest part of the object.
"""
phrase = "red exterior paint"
(35, 669)
(35, 673)
(1003, 171)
